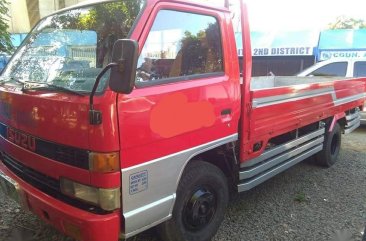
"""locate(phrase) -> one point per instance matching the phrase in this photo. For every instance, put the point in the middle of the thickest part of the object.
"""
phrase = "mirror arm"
(97, 80)
(95, 117)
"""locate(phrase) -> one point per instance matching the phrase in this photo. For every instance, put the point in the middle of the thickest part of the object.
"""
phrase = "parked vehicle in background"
(342, 67)
(148, 122)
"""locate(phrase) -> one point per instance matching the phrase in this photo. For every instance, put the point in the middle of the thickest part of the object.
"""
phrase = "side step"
(353, 121)
(278, 159)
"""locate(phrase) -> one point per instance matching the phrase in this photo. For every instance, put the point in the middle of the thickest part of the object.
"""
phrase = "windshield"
(70, 49)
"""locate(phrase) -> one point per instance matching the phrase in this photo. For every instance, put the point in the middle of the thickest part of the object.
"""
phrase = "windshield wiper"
(9, 79)
(5, 80)
(41, 86)
(31, 85)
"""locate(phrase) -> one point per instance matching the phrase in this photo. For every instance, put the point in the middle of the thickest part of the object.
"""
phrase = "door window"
(180, 46)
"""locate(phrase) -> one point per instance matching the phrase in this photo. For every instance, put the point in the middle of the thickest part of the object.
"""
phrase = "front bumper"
(72, 221)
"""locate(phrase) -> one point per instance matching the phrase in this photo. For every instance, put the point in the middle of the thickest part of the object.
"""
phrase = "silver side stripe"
(149, 189)
(148, 214)
(348, 99)
(203, 148)
(278, 99)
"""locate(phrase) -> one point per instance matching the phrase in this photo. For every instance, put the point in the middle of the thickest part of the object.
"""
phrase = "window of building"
(360, 69)
(333, 69)
(180, 46)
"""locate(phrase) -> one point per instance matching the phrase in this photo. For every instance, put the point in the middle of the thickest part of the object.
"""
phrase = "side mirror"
(123, 73)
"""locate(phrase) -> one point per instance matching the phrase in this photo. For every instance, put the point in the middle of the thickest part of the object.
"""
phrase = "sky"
(288, 15)
(277, 15)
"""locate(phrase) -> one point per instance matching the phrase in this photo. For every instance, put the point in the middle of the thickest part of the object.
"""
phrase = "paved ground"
(304, 203)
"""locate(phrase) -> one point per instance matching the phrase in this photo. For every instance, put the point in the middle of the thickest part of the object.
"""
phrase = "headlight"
(107, 199)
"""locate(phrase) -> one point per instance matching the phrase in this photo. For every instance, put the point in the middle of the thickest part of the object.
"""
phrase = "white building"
(24, 14)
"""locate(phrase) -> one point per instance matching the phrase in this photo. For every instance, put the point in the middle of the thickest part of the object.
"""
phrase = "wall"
(23, 14)
(18, 17)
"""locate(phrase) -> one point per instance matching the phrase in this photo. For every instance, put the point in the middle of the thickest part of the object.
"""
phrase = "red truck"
(119, 116)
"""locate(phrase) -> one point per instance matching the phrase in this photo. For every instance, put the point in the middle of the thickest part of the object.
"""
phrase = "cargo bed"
(282, 104)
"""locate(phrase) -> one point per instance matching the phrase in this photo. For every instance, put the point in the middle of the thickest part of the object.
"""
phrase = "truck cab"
(120, 116)
(102, 159)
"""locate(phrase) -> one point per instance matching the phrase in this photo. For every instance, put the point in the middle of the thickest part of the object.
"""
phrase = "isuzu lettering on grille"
(26, 141)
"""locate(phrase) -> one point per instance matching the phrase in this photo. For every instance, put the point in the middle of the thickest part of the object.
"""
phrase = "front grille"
(68, 155)
(46, 184)
(65, 154)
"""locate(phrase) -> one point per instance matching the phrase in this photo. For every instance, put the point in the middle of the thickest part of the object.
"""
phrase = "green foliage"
(343, 22)
(300, 197)
(196, 49)
(5, 39)
(110, 16)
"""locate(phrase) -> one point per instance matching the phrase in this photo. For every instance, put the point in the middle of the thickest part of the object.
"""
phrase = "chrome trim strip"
(353, 116)
(353, 122)
(278, 99)
(349, 99)
(246, 174)
(154, 204)
(274, 171)
(278, 150)
(347, 131)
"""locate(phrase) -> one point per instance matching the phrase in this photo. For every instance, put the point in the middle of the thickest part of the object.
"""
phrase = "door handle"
(226, 112)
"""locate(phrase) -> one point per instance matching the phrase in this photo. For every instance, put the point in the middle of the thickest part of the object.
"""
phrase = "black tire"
(332, 145)
(202, 197)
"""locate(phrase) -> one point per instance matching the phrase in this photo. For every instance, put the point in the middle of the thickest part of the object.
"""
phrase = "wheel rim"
(334, 145)
(199, 209)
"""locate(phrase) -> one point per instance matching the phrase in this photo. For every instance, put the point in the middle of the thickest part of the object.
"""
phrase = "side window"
(333, 69)
(360, 69)
(180, 46)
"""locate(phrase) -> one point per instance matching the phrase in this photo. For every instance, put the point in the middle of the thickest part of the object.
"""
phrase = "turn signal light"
(104, 162)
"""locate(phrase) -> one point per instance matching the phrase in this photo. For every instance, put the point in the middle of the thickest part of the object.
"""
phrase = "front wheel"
(202, 197)
(332, 144)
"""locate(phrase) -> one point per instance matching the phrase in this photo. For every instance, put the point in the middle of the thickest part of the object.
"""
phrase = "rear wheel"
(332, 144)
(202, 197)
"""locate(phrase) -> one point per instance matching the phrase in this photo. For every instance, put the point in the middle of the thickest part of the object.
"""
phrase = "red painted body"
(130, 121)
(274, 120)
(92, 227)
(139, 143)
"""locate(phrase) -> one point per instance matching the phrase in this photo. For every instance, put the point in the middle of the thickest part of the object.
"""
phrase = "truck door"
(185, 100)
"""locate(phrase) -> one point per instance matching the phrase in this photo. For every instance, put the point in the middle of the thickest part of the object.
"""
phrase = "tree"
(5, 39)
(344, 22)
